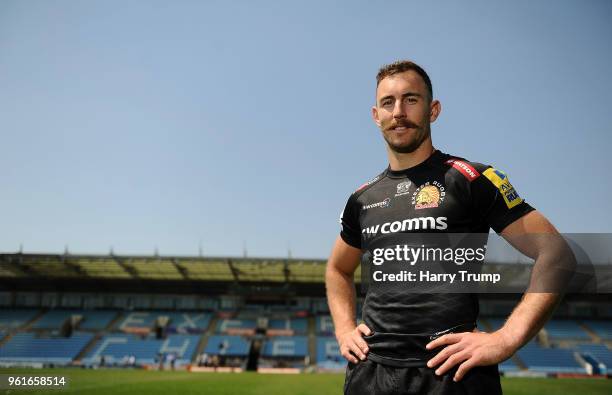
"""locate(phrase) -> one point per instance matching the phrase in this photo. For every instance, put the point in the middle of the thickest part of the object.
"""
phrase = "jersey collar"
(414, 169)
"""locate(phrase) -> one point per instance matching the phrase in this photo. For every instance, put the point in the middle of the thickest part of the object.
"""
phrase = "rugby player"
(427, 343)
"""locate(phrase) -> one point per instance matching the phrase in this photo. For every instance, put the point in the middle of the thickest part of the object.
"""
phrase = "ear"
(375, 116)
(435, 109)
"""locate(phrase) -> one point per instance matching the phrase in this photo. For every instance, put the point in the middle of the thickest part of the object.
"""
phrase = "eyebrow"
(404, 95)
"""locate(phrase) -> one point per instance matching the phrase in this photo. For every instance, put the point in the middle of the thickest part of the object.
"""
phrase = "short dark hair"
(401, 66)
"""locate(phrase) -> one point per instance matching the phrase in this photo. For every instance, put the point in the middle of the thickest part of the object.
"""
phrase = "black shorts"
(369, 377)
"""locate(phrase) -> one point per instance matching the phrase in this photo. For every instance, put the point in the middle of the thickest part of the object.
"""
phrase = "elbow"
(334, 274)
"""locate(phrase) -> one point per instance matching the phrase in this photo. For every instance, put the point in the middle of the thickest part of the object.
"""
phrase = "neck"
(400, 161)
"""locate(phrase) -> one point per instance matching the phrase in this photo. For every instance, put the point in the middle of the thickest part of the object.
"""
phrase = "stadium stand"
(320, 306)
(297, 325)
(285, 346)
(508, 366)
(97, 320)
(188, 322)
(600, 353)
(328, 355)
(15, 318)
(494, 323)
(567, 329)
(482, 325)
(228, 345)
(603, 329)
(143, 322)
(228, 312)
(138, 320)
(117, 348)
(55, 318)
(284, 352)
(236, 326)
(226, 351)
(324, 325)
(549, 360)
(30, 347)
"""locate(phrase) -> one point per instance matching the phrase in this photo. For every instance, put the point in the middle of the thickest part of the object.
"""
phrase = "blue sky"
(143, 125)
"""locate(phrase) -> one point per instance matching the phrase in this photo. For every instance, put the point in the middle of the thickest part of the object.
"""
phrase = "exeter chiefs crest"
(428, 195)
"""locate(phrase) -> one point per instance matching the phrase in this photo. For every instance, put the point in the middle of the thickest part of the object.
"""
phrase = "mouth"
(401, 128)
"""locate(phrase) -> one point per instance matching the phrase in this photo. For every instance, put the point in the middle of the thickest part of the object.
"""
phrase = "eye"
(386, 102)
(411, 100)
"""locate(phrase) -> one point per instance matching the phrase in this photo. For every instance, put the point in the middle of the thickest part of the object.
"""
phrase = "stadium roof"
(114, 267)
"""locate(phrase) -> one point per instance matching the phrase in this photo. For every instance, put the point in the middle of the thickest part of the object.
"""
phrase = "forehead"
(400, 83)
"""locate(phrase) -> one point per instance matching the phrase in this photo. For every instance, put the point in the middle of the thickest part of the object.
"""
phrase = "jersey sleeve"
(349, 223)
(495, 199)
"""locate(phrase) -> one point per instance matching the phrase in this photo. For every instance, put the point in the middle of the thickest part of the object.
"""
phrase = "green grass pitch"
(132, 382)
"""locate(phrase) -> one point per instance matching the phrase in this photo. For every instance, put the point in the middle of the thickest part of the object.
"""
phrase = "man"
(427, 343)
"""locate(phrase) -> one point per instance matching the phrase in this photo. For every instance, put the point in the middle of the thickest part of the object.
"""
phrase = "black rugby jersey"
(443, 194)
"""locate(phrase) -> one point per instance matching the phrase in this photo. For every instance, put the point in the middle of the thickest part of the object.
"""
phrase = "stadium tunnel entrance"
(254, 352)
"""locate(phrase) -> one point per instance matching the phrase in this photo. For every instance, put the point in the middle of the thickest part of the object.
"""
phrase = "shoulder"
(369, 184)
(464, 168)
(472, 171)
(485, 179)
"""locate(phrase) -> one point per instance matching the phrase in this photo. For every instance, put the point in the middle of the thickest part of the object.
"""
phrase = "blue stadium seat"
(481, 326)
(298, 325)
(549, 360)
(115, 347)
(138, 319)
(188, 322)
(565, 329)
(324, 325)
(234, 345)
(496, 323)
(508, 366)
(227, 324)
(285, 346)
(328, 354)
(178, 322)
(92, 319)
(52, 319)
(29, 347)
(98, 319)
(10, 319)
(603, 329)
(599, 352)
(320, 306)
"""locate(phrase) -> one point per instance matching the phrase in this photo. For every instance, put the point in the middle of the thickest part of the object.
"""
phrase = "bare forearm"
(341, 299)
(529, 317)
(554, 265)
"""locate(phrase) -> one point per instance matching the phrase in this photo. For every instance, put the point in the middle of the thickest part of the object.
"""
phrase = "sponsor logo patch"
(428, 195)
(502, 183)
(383, 204)
(408, 224)
(464, 168)
(403, 188)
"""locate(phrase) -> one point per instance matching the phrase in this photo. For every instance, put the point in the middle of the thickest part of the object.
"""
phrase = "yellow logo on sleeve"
(500, 180)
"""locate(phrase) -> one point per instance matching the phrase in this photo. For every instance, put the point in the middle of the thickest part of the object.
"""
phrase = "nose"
(398, 110)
